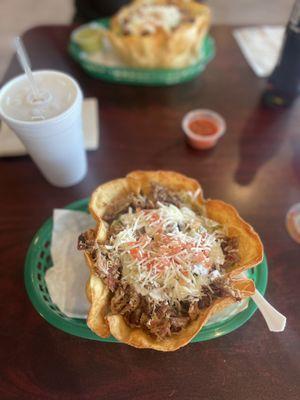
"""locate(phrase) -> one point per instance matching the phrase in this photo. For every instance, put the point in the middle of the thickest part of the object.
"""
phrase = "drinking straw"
(25, 64)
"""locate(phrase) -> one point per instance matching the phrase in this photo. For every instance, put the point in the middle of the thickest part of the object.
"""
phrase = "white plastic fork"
(274, 319)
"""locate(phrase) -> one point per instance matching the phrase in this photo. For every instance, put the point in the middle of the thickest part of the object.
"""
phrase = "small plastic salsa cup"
(203, 128)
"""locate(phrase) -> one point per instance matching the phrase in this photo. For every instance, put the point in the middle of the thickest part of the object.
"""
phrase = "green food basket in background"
(140, 76)
(38, 260)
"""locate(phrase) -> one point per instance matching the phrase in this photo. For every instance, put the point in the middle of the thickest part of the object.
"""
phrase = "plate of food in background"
(158, 42)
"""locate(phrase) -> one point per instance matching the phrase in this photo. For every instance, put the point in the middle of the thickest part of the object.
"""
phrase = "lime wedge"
(89, 39)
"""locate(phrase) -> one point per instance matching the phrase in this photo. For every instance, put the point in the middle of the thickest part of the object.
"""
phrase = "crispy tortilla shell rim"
(101, 321)
(176, 49)
(98, 295)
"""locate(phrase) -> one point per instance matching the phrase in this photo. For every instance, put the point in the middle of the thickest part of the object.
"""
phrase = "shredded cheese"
(168, 253)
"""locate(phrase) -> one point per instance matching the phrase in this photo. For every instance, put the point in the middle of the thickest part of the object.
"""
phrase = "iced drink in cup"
(50, 127)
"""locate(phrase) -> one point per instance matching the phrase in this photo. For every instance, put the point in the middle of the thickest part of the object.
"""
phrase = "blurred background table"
(256, 167)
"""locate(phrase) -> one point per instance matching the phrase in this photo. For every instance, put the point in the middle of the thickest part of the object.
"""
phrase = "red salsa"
(203, 127)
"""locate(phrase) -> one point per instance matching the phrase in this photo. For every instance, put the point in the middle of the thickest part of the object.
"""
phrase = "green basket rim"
(140, 76)
(78, 327)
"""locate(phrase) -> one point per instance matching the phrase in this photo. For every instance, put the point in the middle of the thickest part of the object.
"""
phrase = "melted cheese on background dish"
(149, 17)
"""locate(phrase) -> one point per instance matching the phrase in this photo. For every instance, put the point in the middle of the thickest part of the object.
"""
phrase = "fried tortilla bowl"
(177, 48)
(110, 197)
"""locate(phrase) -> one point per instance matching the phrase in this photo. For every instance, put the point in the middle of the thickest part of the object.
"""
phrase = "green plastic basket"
(141, 76)
(38, 260)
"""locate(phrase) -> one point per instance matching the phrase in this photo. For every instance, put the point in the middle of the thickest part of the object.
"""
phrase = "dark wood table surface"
(256, 167)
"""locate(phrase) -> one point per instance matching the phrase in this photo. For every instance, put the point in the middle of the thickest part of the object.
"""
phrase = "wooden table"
(256, 167)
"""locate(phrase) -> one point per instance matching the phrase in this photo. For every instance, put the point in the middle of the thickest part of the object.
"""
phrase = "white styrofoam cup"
(56, 144)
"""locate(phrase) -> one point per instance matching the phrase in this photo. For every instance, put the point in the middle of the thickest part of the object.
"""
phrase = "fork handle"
(275, 320)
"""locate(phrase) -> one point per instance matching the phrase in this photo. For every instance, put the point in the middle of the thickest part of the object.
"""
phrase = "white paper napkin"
(10, 145)
(66, 280)
(260, 46)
